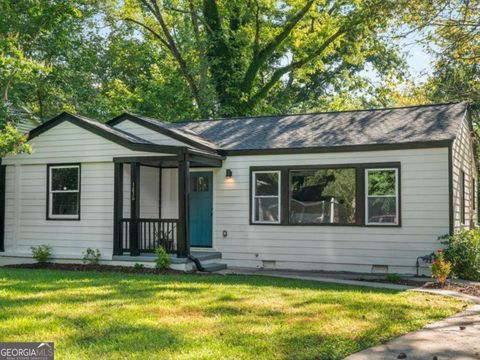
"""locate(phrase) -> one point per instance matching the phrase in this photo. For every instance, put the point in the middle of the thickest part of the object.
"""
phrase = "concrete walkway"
(457, 337)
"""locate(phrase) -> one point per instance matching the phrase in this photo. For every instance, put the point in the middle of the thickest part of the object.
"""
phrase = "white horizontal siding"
(67, 142)
(463, 159)
(425, 217)
(26, 202)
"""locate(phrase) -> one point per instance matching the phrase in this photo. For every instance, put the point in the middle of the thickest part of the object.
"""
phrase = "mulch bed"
(93, 267)
(473, 290)
(406, 282)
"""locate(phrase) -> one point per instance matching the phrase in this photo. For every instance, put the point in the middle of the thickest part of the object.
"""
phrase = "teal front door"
(200, 223)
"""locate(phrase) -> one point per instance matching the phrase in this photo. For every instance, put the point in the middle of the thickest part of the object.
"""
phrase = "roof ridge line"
(308, 113)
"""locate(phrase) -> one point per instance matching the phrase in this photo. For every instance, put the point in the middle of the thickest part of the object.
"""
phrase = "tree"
(452, 36)
(242, 57)
(12, 142)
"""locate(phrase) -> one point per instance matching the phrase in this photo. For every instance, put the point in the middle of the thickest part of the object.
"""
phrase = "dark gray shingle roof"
(362, 127)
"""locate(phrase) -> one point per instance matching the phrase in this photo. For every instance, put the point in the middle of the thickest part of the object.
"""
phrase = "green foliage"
(163, 259)
(241, 58)
(451, 34)
(463, 251)
(41, 253)
(394, 278)
(138, 266)
(12, 141)
(91, 256)
(441, 268)
(381, 182)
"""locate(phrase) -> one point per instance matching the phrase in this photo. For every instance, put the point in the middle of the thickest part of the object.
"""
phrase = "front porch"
(210, 261)
(151, 202)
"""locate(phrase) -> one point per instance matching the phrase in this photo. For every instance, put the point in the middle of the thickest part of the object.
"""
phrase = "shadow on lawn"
(229, 304)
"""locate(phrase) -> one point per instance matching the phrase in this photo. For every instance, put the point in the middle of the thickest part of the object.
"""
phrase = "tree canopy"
(191, 59)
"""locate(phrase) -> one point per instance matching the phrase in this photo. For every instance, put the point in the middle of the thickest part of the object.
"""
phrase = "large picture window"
(266, 197)
(363, 194)
(322, 196)
(64, 192)
(381, 205)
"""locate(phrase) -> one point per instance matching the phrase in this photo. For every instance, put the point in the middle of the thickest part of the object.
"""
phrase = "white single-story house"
(362, 191)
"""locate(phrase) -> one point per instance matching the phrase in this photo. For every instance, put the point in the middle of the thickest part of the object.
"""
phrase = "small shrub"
(441, 268)
(163, 259)
(463, 251)
(91, 256)
(394, 278)
(138, 266)
(41, 253)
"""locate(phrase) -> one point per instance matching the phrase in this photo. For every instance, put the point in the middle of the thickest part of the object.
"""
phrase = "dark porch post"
(134, 207)
(183, 245)
(118, 209)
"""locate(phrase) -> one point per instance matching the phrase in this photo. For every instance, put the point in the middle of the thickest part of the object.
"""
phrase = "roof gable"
(183, 135)
(117, 136)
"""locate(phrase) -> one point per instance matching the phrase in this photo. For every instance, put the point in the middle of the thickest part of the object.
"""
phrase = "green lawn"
(92, 315)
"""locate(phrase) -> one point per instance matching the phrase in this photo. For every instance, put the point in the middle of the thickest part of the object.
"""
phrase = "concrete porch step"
(210, 260)
(212, 267)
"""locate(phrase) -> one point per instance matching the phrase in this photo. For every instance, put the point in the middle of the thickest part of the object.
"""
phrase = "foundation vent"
(269, 264)
(380, 269)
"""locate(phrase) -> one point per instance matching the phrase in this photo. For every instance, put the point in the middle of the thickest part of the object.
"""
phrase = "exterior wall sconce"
(228, 173)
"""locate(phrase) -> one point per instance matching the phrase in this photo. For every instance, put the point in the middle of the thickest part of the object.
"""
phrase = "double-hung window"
(266, 197)
(64, 192)
(381, 193)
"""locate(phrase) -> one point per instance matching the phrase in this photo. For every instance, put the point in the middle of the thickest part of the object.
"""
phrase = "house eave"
(342, 148)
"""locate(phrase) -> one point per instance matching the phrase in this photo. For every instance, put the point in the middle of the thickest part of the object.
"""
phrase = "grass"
(92, 315)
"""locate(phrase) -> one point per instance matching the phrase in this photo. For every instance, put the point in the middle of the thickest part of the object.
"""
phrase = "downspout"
(197, 262)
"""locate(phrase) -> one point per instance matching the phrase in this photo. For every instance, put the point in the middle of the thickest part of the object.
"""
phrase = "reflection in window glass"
(322, 196)
(266, 200)
(64, 192)
(199, 184)
(382, 196)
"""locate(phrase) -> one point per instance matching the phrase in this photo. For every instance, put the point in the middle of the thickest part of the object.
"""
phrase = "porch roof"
(196, 158)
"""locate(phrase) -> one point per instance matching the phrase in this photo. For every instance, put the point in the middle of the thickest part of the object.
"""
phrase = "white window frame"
(51, 192)
(278, 196)
(397, 200)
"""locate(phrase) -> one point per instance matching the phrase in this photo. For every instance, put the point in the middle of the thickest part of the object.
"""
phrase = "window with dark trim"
(381, 196)
(266, 197)
(462, 196)
(345, 195)
(322, 196)
(63, 192)
(474, 194)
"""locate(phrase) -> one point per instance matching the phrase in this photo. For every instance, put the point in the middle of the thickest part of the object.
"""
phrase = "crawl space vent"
(380, 269)
(269, 264)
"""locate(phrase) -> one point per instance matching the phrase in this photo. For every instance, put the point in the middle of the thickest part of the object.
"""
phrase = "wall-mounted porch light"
(228, 173)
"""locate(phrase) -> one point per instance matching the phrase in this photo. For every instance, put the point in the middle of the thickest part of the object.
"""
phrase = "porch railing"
(152, 233)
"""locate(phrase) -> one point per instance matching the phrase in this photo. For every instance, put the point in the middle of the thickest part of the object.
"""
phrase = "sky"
(418, 60)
